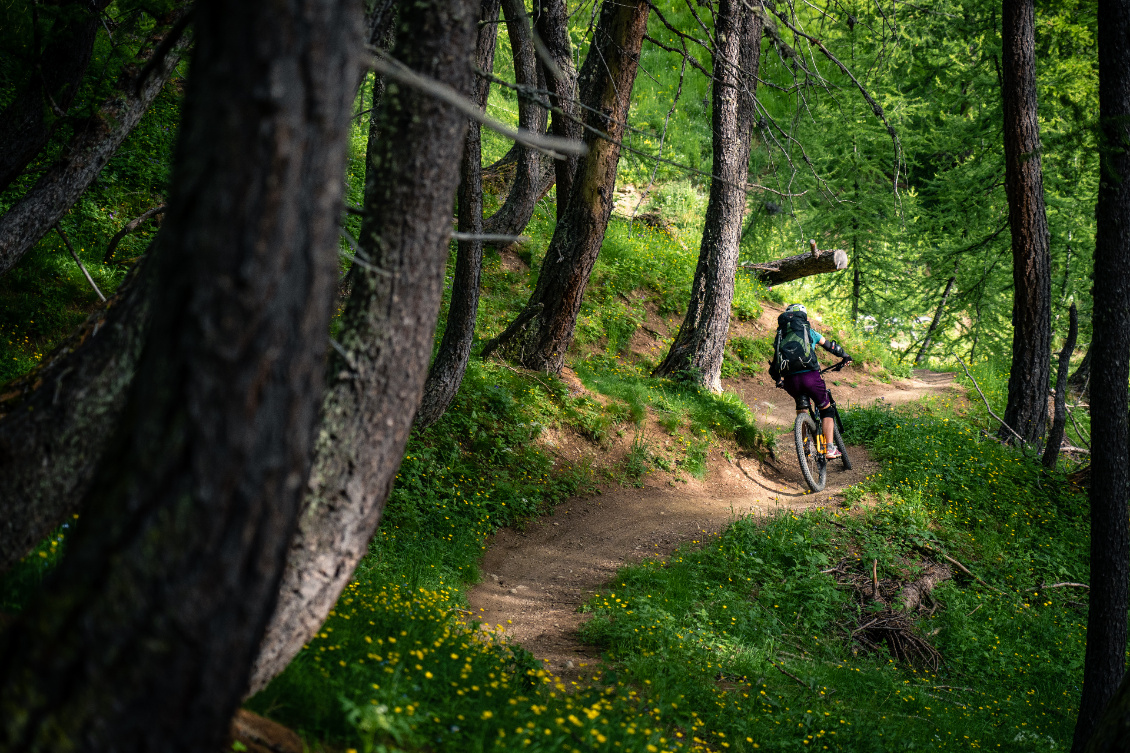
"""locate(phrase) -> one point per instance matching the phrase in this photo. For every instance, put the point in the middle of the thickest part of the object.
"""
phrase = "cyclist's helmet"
(797, 307)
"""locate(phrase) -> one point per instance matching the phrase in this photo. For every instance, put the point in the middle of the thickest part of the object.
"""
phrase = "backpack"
(792, 347)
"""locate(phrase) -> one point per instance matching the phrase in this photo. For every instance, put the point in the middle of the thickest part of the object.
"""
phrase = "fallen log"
(815, 262)
(915, 592)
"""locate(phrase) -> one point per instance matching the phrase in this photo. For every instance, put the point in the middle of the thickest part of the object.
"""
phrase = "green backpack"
(792, 348)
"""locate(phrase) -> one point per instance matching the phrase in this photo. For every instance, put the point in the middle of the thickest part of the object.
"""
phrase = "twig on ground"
(974, 610)
(1061, 585)
(986, 401)
(78, 261)
(787, 673)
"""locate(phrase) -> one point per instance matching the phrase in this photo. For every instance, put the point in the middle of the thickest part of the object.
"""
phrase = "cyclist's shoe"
(832, 453)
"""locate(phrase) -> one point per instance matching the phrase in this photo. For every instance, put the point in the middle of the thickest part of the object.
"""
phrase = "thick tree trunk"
(542, 333)
(698, 349)
(89, 151)
(552, 25)
(530, 178)
(1028, 380)
(935, 321)
(815, 262)
(1105, 662)
(146, 637)
(388, 327)
(56, 420)
(1059, 423)
(446, 373)
(24, 126)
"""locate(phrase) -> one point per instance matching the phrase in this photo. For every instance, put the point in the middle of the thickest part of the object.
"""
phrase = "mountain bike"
(809, 436)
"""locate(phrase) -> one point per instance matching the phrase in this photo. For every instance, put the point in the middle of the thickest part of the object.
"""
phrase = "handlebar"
(837, 366)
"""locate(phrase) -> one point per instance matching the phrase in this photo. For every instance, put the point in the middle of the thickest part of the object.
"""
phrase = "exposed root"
(886, 607)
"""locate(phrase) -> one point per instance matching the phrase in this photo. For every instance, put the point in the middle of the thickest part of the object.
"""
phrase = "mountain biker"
(796, 369)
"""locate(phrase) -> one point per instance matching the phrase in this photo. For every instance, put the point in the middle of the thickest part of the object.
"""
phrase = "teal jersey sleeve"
(816, 336)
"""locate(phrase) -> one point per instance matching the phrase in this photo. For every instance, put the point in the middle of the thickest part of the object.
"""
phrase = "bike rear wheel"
(813, 466)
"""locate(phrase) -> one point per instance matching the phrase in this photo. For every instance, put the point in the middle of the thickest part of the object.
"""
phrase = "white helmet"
(797, 307)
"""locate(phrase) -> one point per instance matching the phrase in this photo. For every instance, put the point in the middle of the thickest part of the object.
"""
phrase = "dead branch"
(128, 228)
(78, 261)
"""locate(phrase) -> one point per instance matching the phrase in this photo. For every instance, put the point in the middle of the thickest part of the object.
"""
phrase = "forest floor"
(536, 577)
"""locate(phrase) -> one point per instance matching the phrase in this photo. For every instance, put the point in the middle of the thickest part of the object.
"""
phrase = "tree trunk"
(552, 24)
(855, 280)
(1027, 408)
(450, 364)
(91, 148)
(936, 320)
(51, 87)
(1080, 381)
(1105, 662)
(815, 262)
(388, 326)
(56, 420)
(699, 348)
(1059, 423)
(527, 186)
(145, 639)
(542, 333)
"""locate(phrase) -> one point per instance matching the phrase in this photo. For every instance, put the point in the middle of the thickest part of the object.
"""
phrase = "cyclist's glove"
(835, 349)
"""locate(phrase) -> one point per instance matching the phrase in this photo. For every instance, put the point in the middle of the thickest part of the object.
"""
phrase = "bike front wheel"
(813, 466)
(841, 446)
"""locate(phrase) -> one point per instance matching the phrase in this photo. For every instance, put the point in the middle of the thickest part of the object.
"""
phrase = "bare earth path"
(535, 579)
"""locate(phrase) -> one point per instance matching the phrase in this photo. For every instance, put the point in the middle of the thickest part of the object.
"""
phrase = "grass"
(752, 641)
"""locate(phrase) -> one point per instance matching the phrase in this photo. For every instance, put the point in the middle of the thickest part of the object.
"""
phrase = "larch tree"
(51, 83)
(698, 350)
(1029, 378)
(450, 364)
(376, 373)
(144, 639)
(92, 146)
(542, 332)
(551, 21)
(531, 175)
(1105, 662)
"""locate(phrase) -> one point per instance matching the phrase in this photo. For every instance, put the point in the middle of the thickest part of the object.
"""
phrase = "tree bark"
(552, 25)
(377, 378)
(542, 333)
(815, 262)
(88, 152)
(450, 364)
(1080, 381)
(531, 178)
(51, 87)
(145, 639)
(699, 348)
(56, 420)
(1104, 665)
(1059, 423)
(1029, 377)
(936, 320)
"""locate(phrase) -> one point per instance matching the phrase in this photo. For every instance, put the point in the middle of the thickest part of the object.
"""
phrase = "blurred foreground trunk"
(145, 638)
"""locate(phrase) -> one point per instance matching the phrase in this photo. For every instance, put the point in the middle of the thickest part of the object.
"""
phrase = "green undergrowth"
(751, 637)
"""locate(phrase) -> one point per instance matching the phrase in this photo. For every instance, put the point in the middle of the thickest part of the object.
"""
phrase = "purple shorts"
(807, 385)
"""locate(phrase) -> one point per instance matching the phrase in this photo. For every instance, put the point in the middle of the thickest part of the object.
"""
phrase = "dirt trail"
(535, 579)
